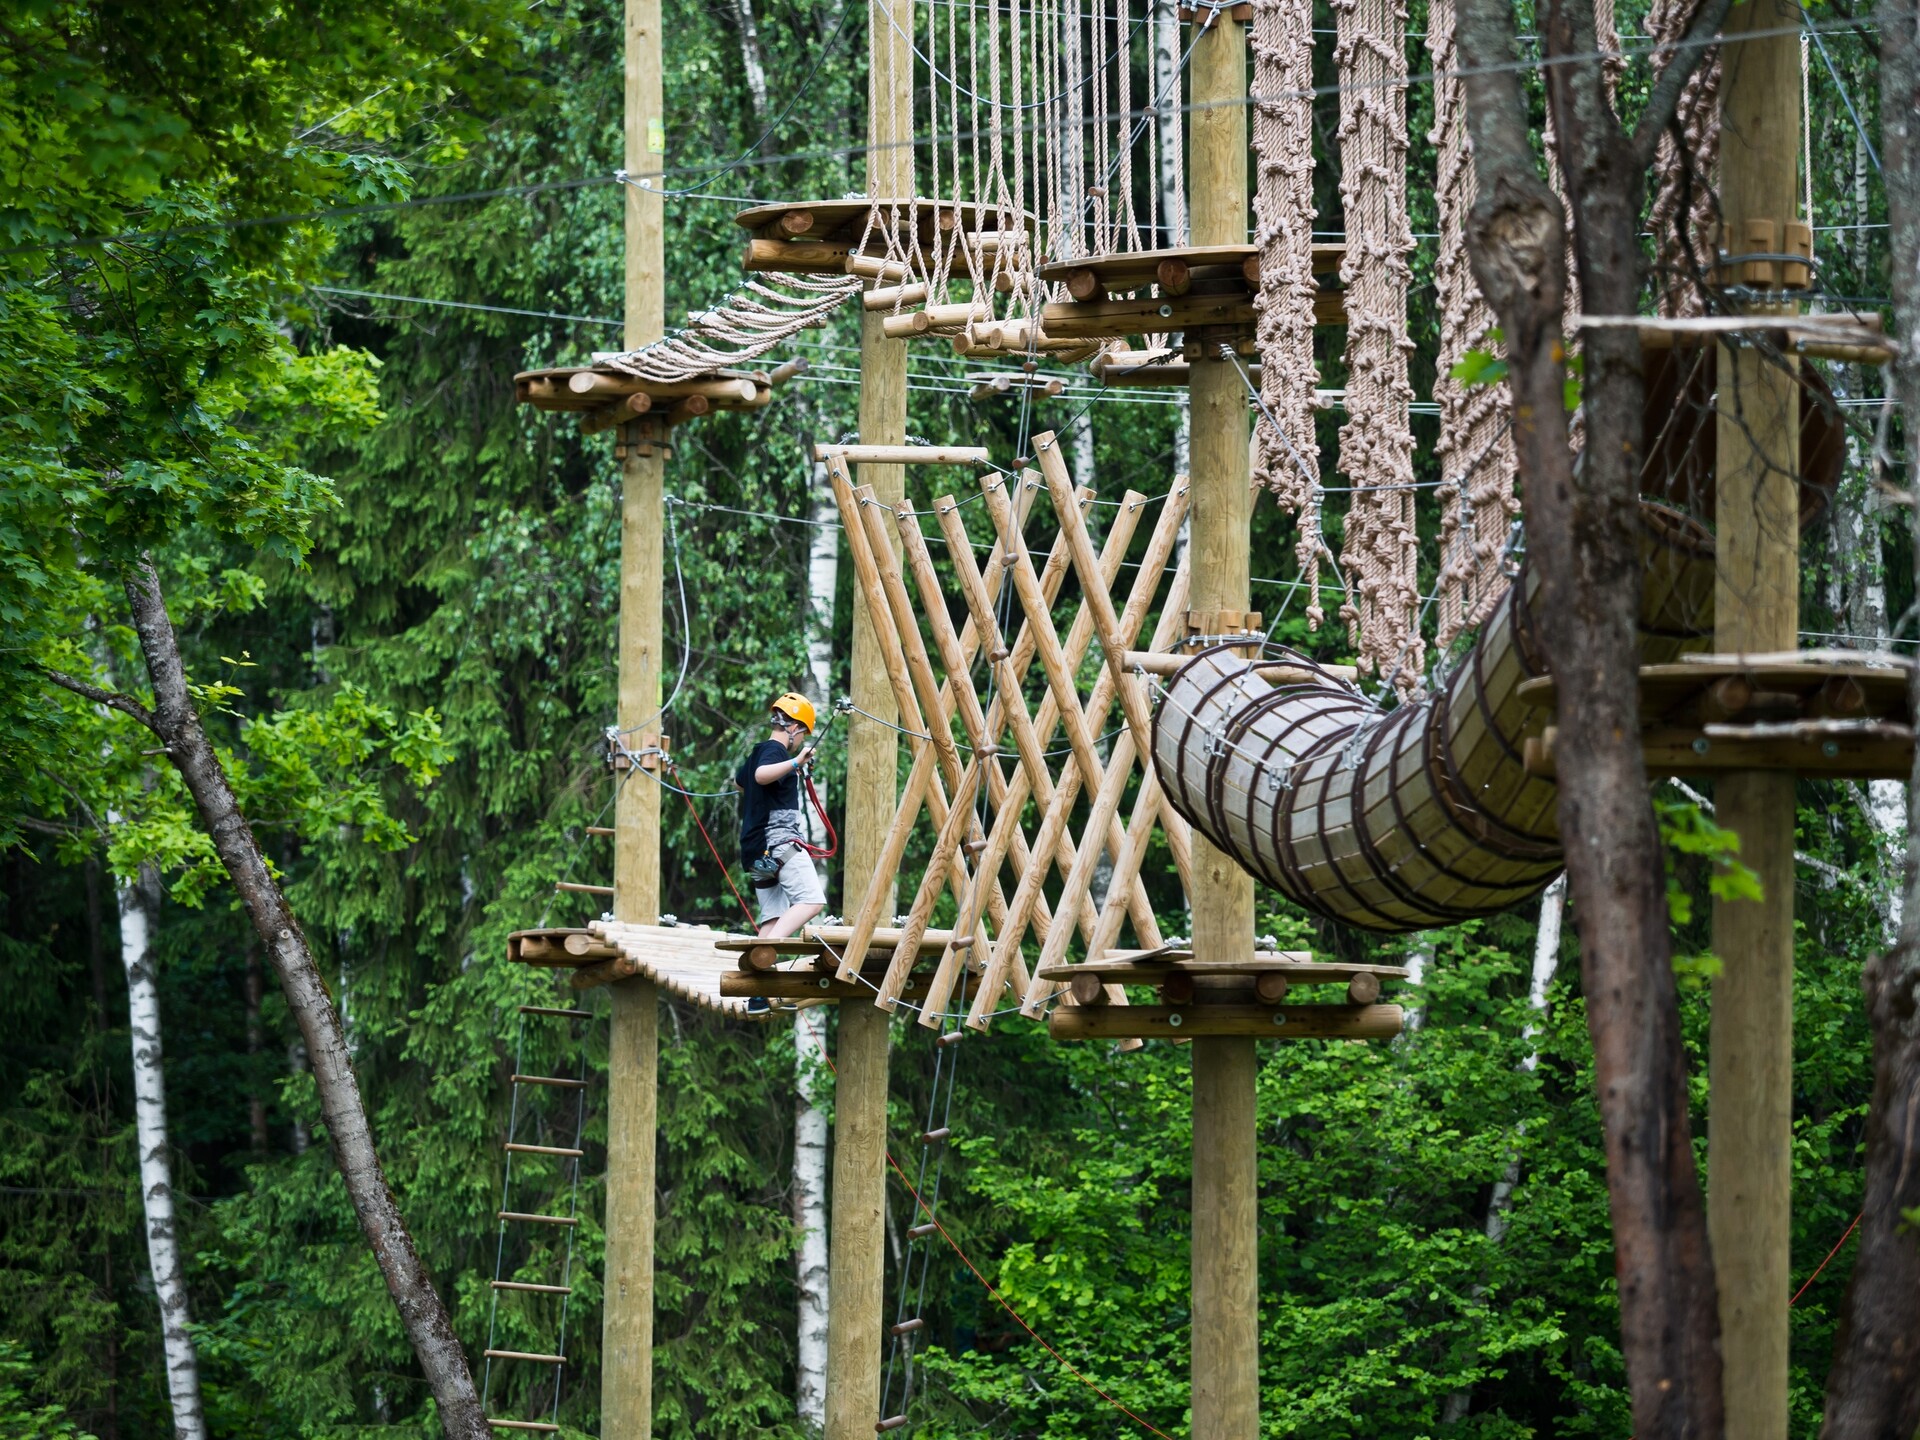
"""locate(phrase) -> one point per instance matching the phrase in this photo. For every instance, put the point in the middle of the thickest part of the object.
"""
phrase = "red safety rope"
(726, 872)
(833, 836)
(1001, 1300)
(1824, 1263)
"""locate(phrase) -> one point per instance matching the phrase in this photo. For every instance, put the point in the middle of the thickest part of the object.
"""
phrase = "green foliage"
(396, 591)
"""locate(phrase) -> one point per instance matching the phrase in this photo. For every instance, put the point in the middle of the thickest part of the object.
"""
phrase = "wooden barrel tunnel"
(1400, 820)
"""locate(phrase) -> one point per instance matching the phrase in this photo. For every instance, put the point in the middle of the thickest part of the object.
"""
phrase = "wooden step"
(535, 1219)
(526, 1355)
(531, 1288)
(514, 1147)
(552, 1080)
(551, 1010)
(540, 1425)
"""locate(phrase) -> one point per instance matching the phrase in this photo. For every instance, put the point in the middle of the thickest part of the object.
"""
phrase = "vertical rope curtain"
(1683, 243)
(1376, 445)
(1477, 500)
(1286, 455)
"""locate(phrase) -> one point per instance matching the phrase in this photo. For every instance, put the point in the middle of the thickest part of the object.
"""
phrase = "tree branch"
(125, 704)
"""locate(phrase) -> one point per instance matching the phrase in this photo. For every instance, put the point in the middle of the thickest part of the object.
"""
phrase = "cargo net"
(1380, 556)
(1286, 453)
(1478, 506)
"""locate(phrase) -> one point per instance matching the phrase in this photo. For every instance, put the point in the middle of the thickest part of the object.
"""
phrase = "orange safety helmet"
(796, 707)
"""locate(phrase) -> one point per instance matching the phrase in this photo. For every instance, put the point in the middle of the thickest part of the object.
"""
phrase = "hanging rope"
(1376, 445)
(1477, 467)
(1286, 454)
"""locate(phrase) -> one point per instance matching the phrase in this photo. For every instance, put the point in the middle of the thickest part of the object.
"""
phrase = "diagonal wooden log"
(982, 732)
(1006, 950)
(1009, 700)
(1113, 640)
(928, 749)
(1127, 856)
(984, 727)
(921, 774)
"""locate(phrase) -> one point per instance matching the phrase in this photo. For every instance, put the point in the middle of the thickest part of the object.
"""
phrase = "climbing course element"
(682, 959)
(1684, 172)
(1009, 619)
(1477, 501)
(538, 1104)
(1376, 445)
(1422, 816)
(1286, 453)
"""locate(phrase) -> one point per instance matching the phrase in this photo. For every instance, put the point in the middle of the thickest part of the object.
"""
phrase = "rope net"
(1380, 556)
(1475, 450)
(1286, 453)
(1684, 211)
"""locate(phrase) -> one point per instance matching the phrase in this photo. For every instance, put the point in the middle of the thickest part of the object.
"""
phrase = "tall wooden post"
(1226, 1297)
(626, 1331)
(856, 1259)
(1756, 595)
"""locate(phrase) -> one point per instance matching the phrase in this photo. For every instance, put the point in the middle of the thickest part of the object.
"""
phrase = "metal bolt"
(1700, 746)
(1174, 1020)
(1830, 749)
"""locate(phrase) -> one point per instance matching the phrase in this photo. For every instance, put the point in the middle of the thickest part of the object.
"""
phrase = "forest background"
(396, 589)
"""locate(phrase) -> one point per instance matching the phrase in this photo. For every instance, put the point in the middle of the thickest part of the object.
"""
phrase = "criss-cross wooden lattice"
(958, 738)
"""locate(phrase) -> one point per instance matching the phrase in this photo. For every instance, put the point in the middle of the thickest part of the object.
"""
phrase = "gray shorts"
(799, 884)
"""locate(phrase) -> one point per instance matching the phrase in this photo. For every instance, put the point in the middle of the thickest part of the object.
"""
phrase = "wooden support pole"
(1756, 594)
(857, 1239)
(626, 1330)
(1226, 1302)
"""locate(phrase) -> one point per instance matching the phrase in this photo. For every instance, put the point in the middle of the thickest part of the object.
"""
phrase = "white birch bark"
(810, 1215)
(810, 1025)
(156, 1176)
(1546, 961)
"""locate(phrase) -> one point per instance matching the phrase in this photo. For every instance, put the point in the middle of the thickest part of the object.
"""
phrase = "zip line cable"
(1649, 49)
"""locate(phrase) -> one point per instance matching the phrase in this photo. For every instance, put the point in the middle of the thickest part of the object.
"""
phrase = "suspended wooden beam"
(1186, 1022)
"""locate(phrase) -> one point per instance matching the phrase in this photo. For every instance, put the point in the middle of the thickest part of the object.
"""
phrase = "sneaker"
(757, 1005)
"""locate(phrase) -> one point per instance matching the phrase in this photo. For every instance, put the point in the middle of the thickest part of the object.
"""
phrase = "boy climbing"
(770, 821)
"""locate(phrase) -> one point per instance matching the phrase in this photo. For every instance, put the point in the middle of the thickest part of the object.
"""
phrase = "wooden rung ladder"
(527, 1089)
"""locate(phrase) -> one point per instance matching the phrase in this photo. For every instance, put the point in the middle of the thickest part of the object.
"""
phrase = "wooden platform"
(1832, 713)
(1204, 288)
(681, 959)
(823, 237)
(604, 396)
(1174, 271)
(1184, 1022)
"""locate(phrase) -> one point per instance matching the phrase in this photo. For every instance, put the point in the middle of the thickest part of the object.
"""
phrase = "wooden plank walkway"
(682, 959)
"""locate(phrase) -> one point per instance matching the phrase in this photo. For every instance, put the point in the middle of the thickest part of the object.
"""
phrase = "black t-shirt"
(758, 802)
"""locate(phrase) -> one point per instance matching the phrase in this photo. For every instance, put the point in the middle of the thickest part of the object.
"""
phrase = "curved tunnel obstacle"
(1422, 816)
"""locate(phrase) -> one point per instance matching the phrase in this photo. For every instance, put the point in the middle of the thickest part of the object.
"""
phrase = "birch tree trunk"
(810, 1025)
(810, 1215)
(1546, 961)
(1873, 1389)
(177, 723)
(156, 1172)
(753, 62)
